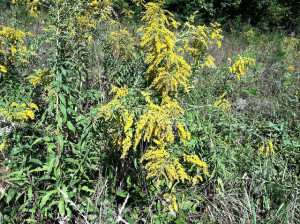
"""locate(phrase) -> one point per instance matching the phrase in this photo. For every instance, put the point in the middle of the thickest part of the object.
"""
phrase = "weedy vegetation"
(117, 111)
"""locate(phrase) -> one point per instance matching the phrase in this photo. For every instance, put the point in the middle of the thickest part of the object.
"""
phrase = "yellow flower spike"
(183, 134)
(90, 38)
(267, 150)
(222, 103)
(241, 65)
(32, 105)
(291, 69)
(167, 69)
(3, 69)
(195, 160)
(4, 144)
(122, 44)
(14, 104)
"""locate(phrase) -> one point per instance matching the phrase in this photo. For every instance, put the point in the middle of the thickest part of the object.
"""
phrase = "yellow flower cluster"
(116, 113)
(123, 139)
(19, 112)
(43, 77)
(184, 135)
(156, 124)
(15, 36)
(291, 68)
(240, 66)
(3, 145)
(291, 44)
(33, 6)
(115, 104)
(167, 70)
(122, 44)
(249, 34)
(11, 46)
(102, 7)
(3, 68)
(266, 150)
(198, 39)
(139, 2)
(161, 165)
(223, 103)
(209, 62)
(87, 17)
(194, 159)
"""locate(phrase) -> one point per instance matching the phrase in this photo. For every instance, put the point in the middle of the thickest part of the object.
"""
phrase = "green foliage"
(63, 160)
(266, 14)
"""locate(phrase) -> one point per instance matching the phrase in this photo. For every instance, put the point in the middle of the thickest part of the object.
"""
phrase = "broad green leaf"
(85, 188)
(11, 193)
(71, 126)
(59, 121)
(51, 146)
(122, 193)
(23, 206)
(37, 140)
(62, 98)
(61, 140)
(2, 193)
(64, 111)
(61, 207)
(46, 197)
(31, 220)
(30, 193)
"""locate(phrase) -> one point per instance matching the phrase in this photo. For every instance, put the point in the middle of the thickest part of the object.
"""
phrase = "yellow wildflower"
(3, 69)
(291, 68)
(32, 105)
(223, 103)
(240, 66)
(266, 150)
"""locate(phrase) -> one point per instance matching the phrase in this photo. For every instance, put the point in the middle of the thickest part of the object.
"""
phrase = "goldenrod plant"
(20, 112)
(239, 67)
(268, 149)
(167, 70)
(223, 103)
(166, 73)
(122, 44)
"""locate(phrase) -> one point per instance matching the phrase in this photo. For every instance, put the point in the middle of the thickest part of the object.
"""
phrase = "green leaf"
(128, 219)
(31, 220)
(122, 193)
(11, 193)
(39, 169)
(36, 161)
(23, 206)
(59, 121)
(61, 140)
(30, 193)
(2, 193)
(50, 147)
(64, 111)
(61, 207)
(71, 126)
(220, 182)
(46, 198)
(85, 188)
(37, 140)
(63, 70)
(50, 165)
(62, 98)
